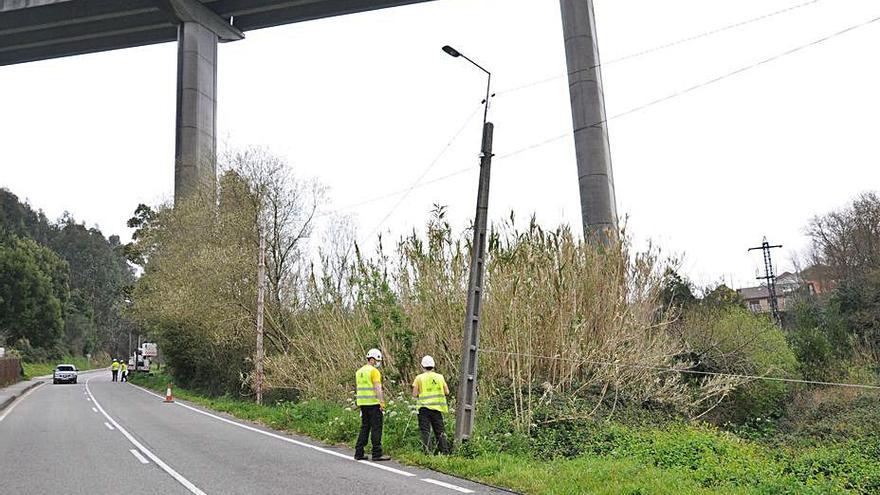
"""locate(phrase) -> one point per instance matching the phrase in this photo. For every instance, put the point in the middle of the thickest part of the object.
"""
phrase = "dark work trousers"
(371, 425)
(115, 374)
(428, 419)
(125, 376)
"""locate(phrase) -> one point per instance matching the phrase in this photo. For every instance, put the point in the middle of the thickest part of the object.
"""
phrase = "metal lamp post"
(467, 388)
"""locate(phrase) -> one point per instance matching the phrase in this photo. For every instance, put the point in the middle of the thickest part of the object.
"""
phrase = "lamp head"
(451, 51)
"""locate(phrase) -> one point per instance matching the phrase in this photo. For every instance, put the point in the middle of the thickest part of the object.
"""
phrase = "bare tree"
(287, 208)
(848, 240)
(337, 253)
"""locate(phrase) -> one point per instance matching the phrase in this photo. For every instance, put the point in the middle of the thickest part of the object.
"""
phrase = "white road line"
(12, 406)
(108, 425)
(384, 467)
(93, 409)
(139, 456)
(447, 485)
(285, 439)
(165, 467)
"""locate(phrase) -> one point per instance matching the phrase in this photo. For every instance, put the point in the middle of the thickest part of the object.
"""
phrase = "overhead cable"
(687, 371)
(666, 45)
(418, 183)
(424, 172)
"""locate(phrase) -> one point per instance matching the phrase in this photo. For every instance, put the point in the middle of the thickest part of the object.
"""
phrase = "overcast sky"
(365, 103)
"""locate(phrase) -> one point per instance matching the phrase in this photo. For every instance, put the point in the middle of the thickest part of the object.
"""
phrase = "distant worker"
(371, 401)
(431, 390)
(114, 369)
(124, 371)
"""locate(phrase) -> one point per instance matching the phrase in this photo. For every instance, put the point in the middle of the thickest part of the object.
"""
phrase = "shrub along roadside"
(611, 458)
(40, 369)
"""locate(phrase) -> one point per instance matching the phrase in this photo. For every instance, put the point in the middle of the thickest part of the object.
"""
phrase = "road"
(100, 437)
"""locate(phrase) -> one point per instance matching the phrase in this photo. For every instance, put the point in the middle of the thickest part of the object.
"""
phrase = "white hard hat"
(427, 362)
(375, 354)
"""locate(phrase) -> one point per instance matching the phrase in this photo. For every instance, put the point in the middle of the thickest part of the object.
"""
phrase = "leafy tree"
(136, 251)
(676, 291)
(33, 293)
(18, 219)
(857, 301)
(95, 270)
(80, 332)
(99, 274)
(198, 290)
(722, 296)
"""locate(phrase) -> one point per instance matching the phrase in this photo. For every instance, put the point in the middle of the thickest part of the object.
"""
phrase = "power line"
(427, 169)
(744, 69)
(709, 33)
(445, 177)
(667, 45)
(687, 371)
(424, 173)
(632, 110)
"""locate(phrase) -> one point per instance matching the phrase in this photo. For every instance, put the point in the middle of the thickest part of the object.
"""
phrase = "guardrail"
(10, 370)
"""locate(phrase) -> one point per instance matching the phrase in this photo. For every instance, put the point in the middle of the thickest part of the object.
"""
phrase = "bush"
(735, 341)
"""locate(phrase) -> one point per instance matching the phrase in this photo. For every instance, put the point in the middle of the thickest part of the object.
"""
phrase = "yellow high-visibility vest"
(431, 393)
(114, 366)
(124, 367)
(366, 393)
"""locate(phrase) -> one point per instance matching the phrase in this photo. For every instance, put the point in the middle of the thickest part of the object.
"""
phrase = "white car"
(64, 373)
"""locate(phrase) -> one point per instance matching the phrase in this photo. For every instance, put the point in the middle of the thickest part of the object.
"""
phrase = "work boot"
(360, 457)
(381, 458)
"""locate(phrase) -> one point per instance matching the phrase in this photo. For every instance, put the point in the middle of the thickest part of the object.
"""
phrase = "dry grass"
(561, 318)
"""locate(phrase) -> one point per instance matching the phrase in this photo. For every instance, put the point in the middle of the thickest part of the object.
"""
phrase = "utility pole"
(467, 387)
(261, 284)
(770, 278)
(467, 384)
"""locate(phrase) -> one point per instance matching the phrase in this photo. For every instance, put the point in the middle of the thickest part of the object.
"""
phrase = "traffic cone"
(168, 396)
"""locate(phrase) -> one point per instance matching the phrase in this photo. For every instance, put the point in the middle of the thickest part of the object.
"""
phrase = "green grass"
(587, 457)
(40, 369)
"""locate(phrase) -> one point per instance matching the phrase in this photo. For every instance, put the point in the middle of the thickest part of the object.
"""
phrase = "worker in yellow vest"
(431, 390)
(114, 369)
(371, 401)
(124, 372)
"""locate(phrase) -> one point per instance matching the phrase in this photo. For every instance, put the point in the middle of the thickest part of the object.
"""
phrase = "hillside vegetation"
(62, 286)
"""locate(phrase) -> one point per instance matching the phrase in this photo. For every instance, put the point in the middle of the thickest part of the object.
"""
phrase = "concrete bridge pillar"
(595, 177)
(199, 31)
(196, 140)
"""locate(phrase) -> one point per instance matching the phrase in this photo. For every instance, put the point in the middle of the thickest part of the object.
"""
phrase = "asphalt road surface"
(99, 437)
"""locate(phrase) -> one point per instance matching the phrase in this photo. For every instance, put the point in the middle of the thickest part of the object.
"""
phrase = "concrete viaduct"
(32, 30)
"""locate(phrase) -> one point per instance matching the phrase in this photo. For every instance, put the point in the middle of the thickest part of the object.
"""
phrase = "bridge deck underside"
(38, 30)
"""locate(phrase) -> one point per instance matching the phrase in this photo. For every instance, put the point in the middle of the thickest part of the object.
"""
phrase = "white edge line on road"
(12, 406)
(139, 456)
(283, 438)
(165, 467)
(109, 427)
(447, 485)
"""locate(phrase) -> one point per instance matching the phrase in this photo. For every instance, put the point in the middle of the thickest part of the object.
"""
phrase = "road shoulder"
(9, 394)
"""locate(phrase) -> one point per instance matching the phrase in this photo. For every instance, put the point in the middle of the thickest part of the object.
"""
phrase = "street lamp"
(455, 53)
(467, 385)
